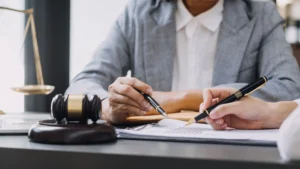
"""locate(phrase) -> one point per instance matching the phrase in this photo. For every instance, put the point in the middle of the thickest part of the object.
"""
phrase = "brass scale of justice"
(40, 88)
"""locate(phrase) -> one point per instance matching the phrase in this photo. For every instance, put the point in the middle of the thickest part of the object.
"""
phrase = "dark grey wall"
(52, 18)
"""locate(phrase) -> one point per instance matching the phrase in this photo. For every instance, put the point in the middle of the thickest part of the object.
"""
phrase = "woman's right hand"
(125, 100)
(247, 113)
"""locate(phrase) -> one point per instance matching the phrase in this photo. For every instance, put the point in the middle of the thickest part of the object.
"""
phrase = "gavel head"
(76, 108)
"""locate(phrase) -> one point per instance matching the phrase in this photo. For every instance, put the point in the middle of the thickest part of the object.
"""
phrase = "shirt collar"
(210, 19)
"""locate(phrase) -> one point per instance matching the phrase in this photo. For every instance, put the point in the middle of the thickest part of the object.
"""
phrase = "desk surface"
(19, 152)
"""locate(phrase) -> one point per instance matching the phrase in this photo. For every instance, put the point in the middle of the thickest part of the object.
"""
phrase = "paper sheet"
(176, 128)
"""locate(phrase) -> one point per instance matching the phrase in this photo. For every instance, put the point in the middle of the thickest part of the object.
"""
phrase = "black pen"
(154, 104)
(247, 90)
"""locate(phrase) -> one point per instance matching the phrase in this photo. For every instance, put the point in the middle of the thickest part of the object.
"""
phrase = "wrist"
(171, 102)
(182, 100)
(278, 111)
(191, 100)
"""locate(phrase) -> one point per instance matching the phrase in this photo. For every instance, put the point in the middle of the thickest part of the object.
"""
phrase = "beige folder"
(183, 115)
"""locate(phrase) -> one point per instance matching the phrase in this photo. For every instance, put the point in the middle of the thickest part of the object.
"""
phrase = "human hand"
(125, 100)
(247, 113)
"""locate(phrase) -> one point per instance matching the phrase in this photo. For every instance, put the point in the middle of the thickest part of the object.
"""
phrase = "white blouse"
(196, 40)
(289, 136)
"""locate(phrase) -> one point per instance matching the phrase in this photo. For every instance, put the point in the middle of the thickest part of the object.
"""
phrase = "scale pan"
(34, 89)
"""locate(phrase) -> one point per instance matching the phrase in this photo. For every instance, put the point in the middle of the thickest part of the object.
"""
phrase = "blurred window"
(11, 56)
(90, 24)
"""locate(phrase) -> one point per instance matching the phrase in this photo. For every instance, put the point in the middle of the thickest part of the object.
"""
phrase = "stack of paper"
(175, 130)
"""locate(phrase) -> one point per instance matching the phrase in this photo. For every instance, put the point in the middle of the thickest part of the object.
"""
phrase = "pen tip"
(190, 122)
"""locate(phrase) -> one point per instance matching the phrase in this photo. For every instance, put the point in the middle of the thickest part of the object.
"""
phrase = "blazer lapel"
(160, 45)
(235, 31)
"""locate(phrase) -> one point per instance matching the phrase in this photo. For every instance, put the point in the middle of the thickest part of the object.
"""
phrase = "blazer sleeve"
(289, 136)
(110, 61)
(275, 60)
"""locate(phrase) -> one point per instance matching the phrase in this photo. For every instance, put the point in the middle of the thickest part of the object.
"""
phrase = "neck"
(196, 7)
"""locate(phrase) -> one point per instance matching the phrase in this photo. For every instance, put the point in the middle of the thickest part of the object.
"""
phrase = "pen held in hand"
(154, 104)
(245, 91)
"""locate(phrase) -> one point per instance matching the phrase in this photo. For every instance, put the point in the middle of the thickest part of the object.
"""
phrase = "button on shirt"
(196, 47)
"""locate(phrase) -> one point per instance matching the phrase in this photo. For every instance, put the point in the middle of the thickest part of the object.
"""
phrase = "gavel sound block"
(75, 121)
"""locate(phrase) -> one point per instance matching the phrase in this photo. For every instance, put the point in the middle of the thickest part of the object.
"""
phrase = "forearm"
(173, 102)
(192, 100)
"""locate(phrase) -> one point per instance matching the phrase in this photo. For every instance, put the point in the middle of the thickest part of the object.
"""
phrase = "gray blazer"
(251, 44)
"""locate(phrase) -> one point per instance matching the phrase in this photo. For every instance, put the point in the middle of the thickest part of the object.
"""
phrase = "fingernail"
(201, 106)
(213, 115)
(144, 112)
(208, 120)
(219, 122)
(224, 125)
(149, 90)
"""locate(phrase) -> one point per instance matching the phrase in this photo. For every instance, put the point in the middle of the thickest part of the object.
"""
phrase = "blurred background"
(290, 11)
(69, 31)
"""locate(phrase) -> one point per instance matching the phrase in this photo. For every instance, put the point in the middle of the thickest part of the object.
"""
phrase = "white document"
(177, 129)
(19, 122)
